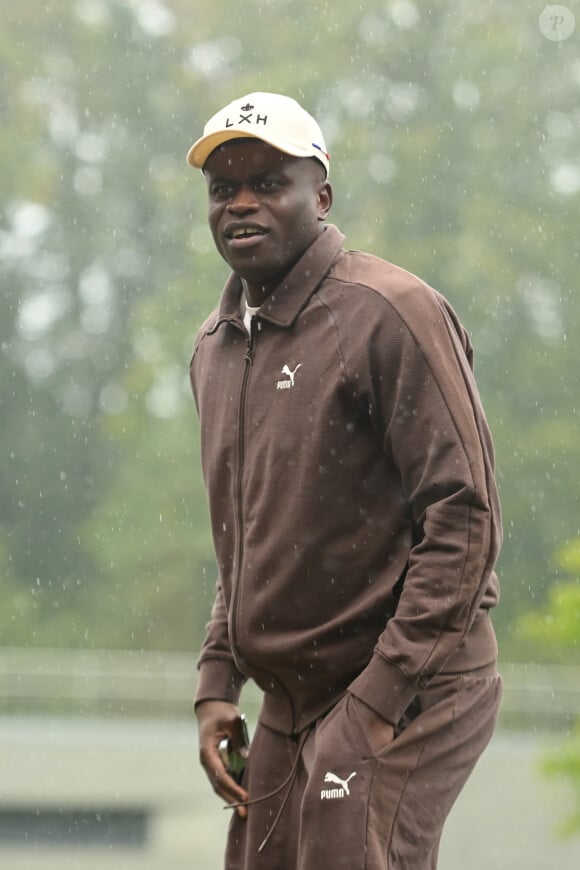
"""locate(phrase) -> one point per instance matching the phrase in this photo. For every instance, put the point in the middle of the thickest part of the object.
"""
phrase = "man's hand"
(216, 720)
(378, 731)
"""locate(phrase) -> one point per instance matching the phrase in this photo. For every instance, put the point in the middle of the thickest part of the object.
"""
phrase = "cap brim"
(200, 150)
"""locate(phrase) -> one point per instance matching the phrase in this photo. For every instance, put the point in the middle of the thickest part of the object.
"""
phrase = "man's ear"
(324, 200)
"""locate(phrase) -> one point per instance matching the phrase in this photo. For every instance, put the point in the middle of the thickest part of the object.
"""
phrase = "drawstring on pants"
(286, 784)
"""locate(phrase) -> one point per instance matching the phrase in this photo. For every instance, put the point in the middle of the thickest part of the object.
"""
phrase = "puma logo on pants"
(334, 793)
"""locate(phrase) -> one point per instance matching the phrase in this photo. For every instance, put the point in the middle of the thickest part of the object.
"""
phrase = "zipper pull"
(249, 357)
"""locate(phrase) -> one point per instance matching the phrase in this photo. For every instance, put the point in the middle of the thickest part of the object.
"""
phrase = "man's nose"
(244, 200)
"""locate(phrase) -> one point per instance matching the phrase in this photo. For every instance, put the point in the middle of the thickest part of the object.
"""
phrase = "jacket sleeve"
(427, 409)
(219, 677)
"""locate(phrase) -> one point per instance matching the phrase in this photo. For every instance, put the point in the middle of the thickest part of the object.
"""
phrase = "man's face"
(265, 208)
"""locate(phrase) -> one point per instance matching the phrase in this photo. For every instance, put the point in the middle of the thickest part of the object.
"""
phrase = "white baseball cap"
(278, 120)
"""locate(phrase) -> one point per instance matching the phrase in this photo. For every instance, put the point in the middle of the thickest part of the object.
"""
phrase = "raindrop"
(404, 14)
(559, 125)
(466, 95)
(381, 168)
(63, 124)
(39, 364)
(402, 100)
(88, 180)
(91, 147)
(565, 179)
(209, 59)
(154, 18)
(165, 397)
(38, 313)
(95, 285)
(95, 13)
(113, 399)
(29, 219)
(76, 400)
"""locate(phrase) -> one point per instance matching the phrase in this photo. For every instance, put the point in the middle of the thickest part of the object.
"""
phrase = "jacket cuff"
(385, 688)
(219, 680)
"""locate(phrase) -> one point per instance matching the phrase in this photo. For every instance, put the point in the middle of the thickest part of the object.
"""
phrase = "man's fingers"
(232, 793)
(222, 783)
(218, 720)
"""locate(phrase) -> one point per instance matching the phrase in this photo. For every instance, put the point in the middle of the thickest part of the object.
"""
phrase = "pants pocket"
(333, 816)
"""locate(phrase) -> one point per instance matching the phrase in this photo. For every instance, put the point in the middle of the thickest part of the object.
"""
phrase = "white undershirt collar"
(248, 311)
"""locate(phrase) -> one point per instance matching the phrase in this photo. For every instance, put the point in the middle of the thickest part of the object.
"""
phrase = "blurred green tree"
(554, 634)
(453, 133)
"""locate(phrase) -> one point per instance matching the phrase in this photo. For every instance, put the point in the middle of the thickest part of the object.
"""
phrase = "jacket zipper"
(248, 360)
(235, 610)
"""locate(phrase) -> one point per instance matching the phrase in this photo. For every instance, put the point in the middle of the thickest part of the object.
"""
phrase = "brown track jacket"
(350, 477)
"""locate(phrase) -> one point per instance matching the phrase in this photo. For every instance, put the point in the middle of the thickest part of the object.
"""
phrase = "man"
(355, 519)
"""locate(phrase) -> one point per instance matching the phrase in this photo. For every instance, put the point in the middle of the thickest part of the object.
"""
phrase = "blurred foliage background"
(453, 130)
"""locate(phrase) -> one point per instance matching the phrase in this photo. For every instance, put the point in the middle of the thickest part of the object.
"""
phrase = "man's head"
(268, 198)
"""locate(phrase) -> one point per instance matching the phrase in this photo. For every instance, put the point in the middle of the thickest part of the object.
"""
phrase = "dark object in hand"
(232, 760)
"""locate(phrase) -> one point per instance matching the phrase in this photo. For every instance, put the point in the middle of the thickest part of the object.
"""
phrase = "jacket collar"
(285, 303)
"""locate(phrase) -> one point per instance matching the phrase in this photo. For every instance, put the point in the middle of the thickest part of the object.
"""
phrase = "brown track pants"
(348, 809)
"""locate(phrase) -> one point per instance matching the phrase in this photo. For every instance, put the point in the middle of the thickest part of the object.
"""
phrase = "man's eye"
(221, 191)
(267, 184)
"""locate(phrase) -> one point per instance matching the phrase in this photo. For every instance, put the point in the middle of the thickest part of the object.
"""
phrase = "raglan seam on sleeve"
(332, 316)
(411, 332)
